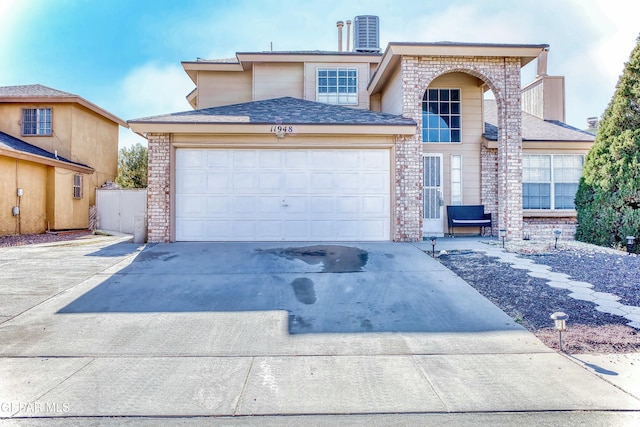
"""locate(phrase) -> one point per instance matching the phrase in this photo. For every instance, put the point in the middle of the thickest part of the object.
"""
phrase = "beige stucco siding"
(469, 148)
(310, 84)
(94, 143)
(59, 140)
(277, 80)
(63, 211)
(31, 178)
(391, 99)
(224, 88)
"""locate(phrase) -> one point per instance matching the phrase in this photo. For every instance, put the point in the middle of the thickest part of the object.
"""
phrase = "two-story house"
(362, 145)
(56, 148)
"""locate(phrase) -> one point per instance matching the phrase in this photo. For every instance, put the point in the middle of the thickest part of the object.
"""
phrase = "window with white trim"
(456, 179)
(36, 121)
(550, 181)
(77, 186)
(441, 116)
(337, 86)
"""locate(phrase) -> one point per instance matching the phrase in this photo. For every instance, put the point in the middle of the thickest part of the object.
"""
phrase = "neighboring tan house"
(56, 148)
(363, 145)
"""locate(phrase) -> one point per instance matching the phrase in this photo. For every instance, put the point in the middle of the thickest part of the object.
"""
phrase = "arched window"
(441, 120)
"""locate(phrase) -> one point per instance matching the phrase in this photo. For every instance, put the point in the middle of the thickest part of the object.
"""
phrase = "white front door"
(283, 194)
(432, 221)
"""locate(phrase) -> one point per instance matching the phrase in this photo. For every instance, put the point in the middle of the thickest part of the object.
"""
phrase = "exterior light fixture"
(433, 245)
(556, 234)
(630, 243)
(503, 235)
(560, 320)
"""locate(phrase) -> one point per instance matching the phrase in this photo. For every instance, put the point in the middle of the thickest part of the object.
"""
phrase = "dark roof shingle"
(13, 143)
(533, 128)
(285, 110)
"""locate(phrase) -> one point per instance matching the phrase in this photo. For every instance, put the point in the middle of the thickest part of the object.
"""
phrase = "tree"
(608, 197)
(132, 167)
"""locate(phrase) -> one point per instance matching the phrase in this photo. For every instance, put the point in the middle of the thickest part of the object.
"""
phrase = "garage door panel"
(323, 205)
(375, 160)
(270, 182)
(322, 182)
(218, 159)
(241, 205)
(375, 205)
(245, 159)
(296, 160)
(295, 230)
(348, 182)
(270, 159)
(191, 181)
(269, 205)
(296, 181)
(193, 206)
(280, 194)
(375, 182)
(216, 182)
(347, 205)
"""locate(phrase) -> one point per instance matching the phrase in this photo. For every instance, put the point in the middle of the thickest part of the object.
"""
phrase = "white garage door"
(274, 195)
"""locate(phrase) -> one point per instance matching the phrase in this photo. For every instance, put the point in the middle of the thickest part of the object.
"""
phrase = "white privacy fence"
(118, 209)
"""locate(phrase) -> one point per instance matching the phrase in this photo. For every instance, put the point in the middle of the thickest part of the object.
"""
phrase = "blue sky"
(124, 55)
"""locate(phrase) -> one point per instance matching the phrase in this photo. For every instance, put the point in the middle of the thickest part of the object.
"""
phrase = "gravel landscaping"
(530, 301)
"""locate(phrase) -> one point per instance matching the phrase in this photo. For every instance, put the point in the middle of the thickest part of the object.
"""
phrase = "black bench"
(467, 216)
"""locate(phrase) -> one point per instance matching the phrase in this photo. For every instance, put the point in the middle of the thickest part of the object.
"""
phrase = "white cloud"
(153, 89)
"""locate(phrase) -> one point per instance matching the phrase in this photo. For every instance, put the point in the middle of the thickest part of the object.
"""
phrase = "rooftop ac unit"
(366, 36)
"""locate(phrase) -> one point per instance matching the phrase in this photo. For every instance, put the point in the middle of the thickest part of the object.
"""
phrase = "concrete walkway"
(184, 332)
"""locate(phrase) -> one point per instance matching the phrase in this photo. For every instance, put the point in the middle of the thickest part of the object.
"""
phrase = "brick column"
(159, 188)
(510, 151)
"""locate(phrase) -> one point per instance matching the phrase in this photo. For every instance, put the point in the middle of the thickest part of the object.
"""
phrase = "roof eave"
(62, 100)
(141, 127)
(395, 50)
(17, 154)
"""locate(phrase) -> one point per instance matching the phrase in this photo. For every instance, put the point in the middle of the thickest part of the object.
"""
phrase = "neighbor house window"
(441, 118)
(36, 121)
(338, 86)
(77, 186)
(550, 181)
(456, 179)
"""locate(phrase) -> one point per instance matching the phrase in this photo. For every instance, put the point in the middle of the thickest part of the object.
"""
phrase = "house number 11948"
(281, 129)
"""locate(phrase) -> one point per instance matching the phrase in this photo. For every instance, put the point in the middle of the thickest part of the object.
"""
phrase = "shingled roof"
(8, 142)
(33, 90)
(287, 110)
(533, 128)
(41, 93)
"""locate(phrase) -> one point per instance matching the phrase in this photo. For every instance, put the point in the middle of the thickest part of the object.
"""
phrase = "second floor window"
(441, 120)
(338, 86)
(36, 121)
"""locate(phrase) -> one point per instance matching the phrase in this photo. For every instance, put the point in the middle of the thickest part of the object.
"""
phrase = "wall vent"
(366, 34)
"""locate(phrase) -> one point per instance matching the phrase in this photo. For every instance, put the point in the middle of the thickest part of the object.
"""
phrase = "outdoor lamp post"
(560, 320)
(630, 243)
(503, 235)
(433, 245)
(556, 234)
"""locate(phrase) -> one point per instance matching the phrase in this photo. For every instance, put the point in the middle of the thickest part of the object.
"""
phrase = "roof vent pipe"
(339, 24)
(348, 35)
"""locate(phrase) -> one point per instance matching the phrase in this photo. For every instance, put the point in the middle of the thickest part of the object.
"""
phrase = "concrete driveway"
(105, 328)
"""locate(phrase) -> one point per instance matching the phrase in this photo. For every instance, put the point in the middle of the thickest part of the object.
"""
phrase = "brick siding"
(501, 187)
(158, 188)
